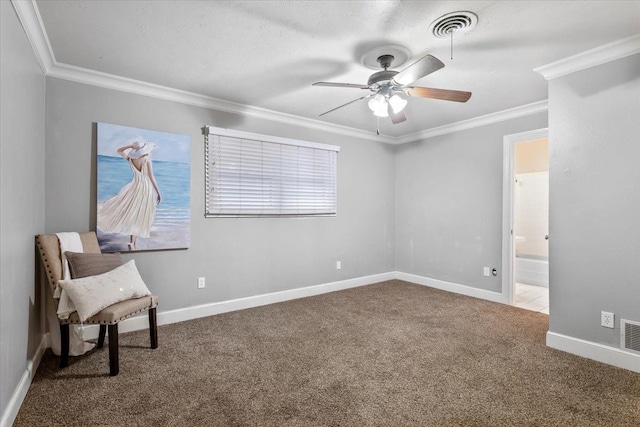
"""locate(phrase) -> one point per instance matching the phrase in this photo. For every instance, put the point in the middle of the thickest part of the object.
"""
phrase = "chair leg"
(103, 331)
(64, 344)
(153, 328)
(114, 366)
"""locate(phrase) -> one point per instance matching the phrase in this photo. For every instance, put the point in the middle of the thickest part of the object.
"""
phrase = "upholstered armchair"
(109, 317)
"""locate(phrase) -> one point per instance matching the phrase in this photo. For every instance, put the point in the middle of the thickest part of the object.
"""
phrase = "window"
(256, 175)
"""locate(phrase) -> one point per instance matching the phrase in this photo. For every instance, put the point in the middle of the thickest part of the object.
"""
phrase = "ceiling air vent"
(455, 22)
(630, 335)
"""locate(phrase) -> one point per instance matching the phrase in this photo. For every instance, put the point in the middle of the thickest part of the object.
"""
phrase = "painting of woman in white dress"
(143, 189)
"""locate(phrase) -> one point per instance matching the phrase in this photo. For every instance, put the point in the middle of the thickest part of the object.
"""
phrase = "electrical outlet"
(338, 265)
(607, 319)
(200, 282)
(487, 271)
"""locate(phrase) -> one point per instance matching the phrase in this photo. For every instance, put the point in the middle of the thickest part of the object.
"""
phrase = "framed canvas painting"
(143, 194)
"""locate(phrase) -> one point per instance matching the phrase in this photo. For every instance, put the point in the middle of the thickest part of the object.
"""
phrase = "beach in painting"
(171, 226)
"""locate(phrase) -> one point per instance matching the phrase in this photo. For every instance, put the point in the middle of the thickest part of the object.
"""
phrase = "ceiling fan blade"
(344, 105)
(396, 117)
(423, 66)
(444, 94)
(331, 84)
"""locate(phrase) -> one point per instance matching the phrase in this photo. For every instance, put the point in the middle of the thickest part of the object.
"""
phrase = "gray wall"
(238, 257)
(594, 245)
(21, 200)
(449, 204)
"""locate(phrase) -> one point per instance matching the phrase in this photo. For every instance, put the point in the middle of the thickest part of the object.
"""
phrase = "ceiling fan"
(386, 85)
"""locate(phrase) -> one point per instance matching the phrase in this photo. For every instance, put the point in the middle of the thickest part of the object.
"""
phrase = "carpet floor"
(388, 354)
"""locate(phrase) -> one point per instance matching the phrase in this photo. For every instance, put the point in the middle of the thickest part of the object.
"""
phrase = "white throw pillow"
(93, 293)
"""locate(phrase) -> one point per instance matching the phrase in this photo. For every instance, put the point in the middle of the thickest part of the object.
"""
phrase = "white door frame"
(508, 176)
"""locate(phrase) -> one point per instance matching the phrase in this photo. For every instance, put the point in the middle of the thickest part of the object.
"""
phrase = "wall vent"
(630, 335)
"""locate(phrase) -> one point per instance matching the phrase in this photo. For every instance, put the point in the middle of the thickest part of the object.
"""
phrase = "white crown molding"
(124, 84)
(138, 87)
(590, 58)
(29, 16)
(31, 21)
(488, 119)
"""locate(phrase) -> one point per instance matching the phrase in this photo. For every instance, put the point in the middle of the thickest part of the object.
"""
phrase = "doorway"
(526, 220)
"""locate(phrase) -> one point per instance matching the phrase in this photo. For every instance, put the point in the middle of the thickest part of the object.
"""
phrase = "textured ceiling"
(268, 53)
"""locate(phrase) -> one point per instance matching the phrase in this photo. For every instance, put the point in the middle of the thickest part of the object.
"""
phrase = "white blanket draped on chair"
(68, 242)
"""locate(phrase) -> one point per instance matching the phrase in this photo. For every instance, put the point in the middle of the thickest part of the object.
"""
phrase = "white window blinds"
(256, 175)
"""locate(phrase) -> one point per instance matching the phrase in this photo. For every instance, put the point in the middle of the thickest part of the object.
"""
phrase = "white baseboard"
(188, 313)
(594, 351)
(204, 310)
(11, 411)
(452, 287)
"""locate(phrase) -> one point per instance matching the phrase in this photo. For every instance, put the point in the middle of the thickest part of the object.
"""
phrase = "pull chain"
(451, 32)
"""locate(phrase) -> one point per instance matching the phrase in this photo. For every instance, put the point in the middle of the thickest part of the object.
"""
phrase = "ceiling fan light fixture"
(378, 104)
(387, 85)
(397, 103)
(382, 112)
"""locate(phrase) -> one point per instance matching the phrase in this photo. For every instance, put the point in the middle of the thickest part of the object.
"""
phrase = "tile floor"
(534, 298)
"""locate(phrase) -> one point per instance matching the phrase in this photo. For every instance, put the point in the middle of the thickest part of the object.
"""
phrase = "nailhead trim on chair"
(68, 322)
(46, 263)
